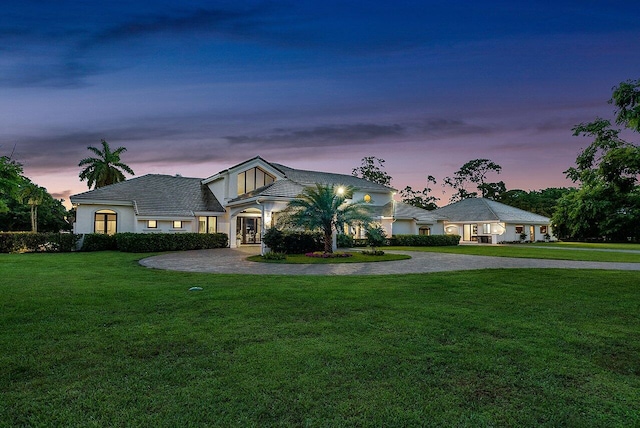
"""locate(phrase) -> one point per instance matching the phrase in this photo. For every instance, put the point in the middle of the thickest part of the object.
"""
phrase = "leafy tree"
(372, 169)
(541, 202)
(325, 208)
(51, 215)
(10, 179)
(420, 199)
(626, 98)
(104, 169)
(475, 173)
(607, 204)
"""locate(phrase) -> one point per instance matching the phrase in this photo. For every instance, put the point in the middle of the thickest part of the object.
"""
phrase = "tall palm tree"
(325, 208)
(104, 169)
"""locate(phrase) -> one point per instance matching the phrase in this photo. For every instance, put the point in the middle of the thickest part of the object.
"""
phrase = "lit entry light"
(340, 190)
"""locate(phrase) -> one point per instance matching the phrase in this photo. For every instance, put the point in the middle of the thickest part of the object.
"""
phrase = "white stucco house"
(480, 220)
(245, 199)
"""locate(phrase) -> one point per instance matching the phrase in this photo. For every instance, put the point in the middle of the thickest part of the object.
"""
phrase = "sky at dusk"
(192, 87)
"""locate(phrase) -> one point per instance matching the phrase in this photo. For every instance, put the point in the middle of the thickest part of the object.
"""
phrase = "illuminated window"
(424, 231)
(177, 224)
(252, 179)
(152, 224)
(486, 228)
(105, 222)
(519, 228)
(207, 224)
(543, 230)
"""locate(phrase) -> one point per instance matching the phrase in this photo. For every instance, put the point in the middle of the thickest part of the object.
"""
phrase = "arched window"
(105, 221)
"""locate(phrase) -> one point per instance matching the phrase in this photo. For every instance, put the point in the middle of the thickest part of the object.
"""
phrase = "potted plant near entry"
(523, 236)
(238, 239)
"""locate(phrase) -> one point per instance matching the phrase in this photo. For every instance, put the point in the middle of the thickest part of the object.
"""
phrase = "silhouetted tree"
(372, 169)
(104, 169)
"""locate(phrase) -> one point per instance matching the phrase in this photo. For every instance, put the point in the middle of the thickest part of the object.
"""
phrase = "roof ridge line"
(490, 209)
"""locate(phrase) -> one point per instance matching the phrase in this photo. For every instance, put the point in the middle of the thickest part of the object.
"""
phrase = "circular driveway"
(226, 260)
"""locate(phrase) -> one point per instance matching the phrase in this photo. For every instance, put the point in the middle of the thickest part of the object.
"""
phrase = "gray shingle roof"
(409, 211)
(281, 188)
(160, 195)
(481, 209)
(309, 178)
(405, 211)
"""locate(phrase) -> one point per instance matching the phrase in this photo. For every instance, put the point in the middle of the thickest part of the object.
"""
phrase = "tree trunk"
(328, 242)
(34, 218)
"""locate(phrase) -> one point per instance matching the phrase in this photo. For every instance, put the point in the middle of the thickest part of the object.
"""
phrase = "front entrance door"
(532, 233)
(249, 229)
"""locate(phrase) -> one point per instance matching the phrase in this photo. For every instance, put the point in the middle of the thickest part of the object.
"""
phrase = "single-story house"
(480, 220)
(245, 199)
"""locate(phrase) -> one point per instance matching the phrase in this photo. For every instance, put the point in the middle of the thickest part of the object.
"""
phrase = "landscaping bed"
(354, 257)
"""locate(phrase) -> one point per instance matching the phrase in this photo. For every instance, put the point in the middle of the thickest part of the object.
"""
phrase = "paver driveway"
(226, 260)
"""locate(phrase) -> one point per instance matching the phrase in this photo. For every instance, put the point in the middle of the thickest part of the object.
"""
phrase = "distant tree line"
(25, 206)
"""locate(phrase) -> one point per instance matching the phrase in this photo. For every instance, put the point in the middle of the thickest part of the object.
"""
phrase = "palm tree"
(106, 168)
(33, 195)
(325, 208)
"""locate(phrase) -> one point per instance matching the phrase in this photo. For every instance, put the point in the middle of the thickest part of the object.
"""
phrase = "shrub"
(424, 240)
(271, 255)
(99, 242)
(376, 236)
(323, 255)
(292, 242)
(274, 239)
(344, 241)
(360, 242)
(373, 253)
(152, 242)
(37, 242)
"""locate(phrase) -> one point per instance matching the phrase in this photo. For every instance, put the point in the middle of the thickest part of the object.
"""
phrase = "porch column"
(233, 219)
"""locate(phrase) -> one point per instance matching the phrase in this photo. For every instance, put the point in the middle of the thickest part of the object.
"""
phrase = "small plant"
(523, 236)
(373, 253)
(344, 241)
(376, 237)
(273, 255)
(323, 255)
(547, 237)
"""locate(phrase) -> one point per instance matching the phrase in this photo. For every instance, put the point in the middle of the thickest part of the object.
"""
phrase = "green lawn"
(92, 339)
(535, 251)
(357, 257)
(597, 246)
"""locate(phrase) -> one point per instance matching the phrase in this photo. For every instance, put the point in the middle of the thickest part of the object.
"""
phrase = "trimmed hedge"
(152, 242)
(99, 242)
(23, 242)
(424, 240)
(344, 241)
(290, 242)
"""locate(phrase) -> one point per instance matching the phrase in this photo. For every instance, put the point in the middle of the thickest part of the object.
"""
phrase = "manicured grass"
(356, 257)
(92, 339)
(530, 251)
(592, 245)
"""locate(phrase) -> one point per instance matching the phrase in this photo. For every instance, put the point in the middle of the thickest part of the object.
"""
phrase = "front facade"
(246, 199)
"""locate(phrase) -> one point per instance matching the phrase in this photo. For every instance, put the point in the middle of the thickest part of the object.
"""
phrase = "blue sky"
(192, 87)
